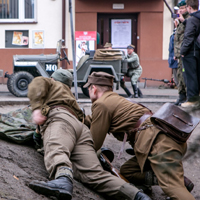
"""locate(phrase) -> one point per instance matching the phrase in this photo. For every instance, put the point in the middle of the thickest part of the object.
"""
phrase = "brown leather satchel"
(174, 122)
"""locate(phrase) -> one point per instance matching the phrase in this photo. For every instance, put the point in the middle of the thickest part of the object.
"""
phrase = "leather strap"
(137, 127)
(66, 108)
(142, 119)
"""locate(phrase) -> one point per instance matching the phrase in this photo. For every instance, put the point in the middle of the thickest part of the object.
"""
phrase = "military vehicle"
(26, 67)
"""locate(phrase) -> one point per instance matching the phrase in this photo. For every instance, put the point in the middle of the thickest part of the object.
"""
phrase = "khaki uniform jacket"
(178, 38)
(45, 92)
(114, 114)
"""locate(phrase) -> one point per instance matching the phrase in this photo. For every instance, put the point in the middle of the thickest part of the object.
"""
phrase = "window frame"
(22, 18)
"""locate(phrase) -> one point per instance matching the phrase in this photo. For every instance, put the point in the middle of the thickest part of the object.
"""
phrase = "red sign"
(86, 35)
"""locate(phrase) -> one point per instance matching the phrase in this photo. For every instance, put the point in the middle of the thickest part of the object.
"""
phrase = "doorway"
(112, 27)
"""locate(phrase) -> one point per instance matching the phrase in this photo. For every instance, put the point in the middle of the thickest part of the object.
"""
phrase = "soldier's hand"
(38, 118)
(181, 18)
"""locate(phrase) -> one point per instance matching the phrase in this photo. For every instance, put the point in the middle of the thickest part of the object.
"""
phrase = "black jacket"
(191, 32)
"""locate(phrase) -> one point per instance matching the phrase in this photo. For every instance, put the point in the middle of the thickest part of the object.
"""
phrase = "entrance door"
(110, 32)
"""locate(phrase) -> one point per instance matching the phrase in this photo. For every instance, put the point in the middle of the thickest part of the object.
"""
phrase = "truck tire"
(9, 84)
(85, 91)
(19, 83)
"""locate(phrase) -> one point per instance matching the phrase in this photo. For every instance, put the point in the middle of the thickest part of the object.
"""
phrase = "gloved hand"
(38, 140)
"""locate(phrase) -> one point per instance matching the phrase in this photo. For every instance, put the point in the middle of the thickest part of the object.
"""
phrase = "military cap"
(130, 46)
(64, 76)
(181, 3)
(107, 45)
(100, 78)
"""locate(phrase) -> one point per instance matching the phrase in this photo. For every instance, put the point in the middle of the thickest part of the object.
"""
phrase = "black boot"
(61, 188)
(140, 93)
(135, 90)
(141, 196)
(188, 184)
(181, 99)
(128, 92)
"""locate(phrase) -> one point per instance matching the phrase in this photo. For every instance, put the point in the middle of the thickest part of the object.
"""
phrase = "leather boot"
(140, 93)
(141, 196)
(188, 184)
(135, 90)
(181, 99)
(128, 92)
(151, 179)
(130, 192)
(61, 188)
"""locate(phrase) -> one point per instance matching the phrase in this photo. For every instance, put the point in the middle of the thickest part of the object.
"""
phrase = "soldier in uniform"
(122, 81)
(67, 140)
(135, 69)
(178, 39)
(108, 45)
(155, 152)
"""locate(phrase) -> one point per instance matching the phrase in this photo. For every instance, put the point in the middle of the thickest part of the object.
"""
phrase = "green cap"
(181, 3)
(64, 76)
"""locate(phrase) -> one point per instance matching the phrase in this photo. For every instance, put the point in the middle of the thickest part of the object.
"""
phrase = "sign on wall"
(38, 39)
(121, 32)
(85, 41)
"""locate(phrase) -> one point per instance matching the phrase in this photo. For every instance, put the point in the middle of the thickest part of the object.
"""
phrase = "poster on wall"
(38, 39)
(19, 39)
(85, 41)
(121, 32)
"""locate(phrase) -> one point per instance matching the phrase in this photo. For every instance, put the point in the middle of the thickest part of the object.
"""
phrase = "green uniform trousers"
(166, 162)
(135, 74)
(181, 83)
(66, 141)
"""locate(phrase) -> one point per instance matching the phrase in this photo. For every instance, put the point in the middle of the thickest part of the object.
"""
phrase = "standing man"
(67, 140)
(122, 81)
(154, 150)
(135, 69)
(178, 39)
(191, 55)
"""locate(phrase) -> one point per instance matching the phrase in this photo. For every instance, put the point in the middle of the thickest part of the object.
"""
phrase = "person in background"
(122, 81)
(108, 45)
(190, 53)
(178, 39)
(173, 64)
(134, 70)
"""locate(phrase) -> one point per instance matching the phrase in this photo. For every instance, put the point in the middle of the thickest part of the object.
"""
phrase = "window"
(17, 10)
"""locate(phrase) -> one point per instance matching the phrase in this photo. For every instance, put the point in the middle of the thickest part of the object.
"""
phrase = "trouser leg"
(174, 71)
(122, 84)
(132, 172)
(59, 139)
(88, 169)
(191, 73)
(166, 162)
(180, 78)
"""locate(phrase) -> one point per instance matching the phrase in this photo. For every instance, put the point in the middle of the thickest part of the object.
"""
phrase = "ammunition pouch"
(174, 122)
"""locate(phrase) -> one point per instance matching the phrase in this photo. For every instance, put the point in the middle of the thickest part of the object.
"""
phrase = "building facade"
(150, 27)
(32, 27)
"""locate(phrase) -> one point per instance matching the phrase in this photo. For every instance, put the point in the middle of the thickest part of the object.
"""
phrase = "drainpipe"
(63, 31)
(173, 15)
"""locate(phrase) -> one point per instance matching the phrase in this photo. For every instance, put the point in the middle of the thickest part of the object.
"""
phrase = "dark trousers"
(191, 65)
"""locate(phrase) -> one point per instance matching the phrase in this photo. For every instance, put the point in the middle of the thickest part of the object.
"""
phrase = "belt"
(142, 119)
(66, 108)
(137, 127)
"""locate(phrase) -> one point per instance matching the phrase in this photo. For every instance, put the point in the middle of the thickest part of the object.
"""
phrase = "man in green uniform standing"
(135, 69)
(155, 152)
(178, 39)
(67, 140)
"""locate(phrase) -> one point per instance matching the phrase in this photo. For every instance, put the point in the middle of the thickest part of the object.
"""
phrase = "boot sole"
(48, 191)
